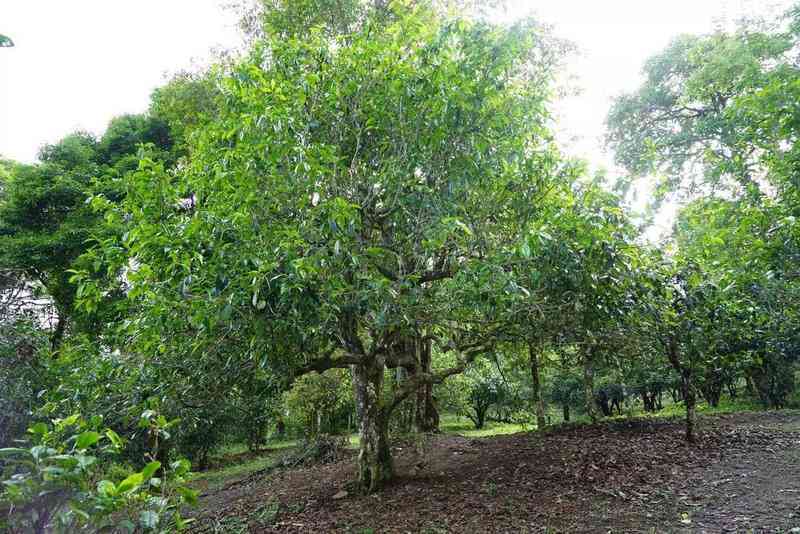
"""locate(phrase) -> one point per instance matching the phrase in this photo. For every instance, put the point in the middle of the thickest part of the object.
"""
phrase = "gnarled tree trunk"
(374, 457)
(426, 416)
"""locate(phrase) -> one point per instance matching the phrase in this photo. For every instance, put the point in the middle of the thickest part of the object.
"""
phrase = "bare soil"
(743, 475)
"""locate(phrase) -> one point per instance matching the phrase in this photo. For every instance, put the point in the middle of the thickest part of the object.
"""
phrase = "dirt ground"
(743, 475)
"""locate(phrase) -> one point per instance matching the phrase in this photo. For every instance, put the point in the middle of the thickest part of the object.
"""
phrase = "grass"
(240, 448)
(232, 468)
(234, 463)
(215, 478)
(726, 405)
(462, 426)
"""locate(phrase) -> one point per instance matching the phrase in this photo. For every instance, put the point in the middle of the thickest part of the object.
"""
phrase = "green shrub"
(64, 481)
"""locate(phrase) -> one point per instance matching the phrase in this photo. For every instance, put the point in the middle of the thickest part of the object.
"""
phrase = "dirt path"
(753, 489)
(634, 476)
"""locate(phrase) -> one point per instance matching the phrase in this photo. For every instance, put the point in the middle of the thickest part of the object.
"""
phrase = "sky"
(77, 64)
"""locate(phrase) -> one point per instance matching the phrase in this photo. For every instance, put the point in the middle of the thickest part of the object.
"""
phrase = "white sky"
(79, 63)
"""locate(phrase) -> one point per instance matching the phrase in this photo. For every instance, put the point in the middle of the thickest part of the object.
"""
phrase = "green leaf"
(14, 451)
(68, 421)
(188, 495)
(180, 467)
(114, 438)
(106, 488)
(131, 483)
(87, 439)
(39, 429)
(150, 469)
(86, 461)
(65, 460)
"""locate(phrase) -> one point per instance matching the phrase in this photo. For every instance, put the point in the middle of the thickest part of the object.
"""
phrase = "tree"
(566, 389)
(5, 42)
(596, 269)
(743, 244)
(716, 117)
(46, 222)
(346, 198)
(681, 123)
(684, 315)
(184, 104)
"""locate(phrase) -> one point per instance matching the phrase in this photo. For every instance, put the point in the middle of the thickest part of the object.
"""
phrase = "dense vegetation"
(364, 223)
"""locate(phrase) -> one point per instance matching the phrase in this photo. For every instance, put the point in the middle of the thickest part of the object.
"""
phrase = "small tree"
(566, 390)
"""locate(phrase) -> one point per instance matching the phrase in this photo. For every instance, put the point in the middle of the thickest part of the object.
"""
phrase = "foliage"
(320, 403)
(684, 119)
(326, 228)
(22, 376)
(712, 116)
(56, 484)
(484, 393)
(364, 219)
(566, 390)
(46, 222)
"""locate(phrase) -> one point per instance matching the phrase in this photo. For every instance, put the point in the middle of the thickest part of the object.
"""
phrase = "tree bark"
(57, 337)
(375, 465)
(588, 386)
(687, 388)
(538, 399)
(690, 400)
(426, 416)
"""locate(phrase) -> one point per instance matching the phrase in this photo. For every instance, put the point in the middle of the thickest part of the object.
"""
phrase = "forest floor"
(639, 475)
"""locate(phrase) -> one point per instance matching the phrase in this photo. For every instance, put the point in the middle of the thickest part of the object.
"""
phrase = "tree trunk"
(588, 386)
(374, 457)
(57, 337)
(750, 385)
(687, 388)
(690, 400)
(566, 413)
(538, 399)
(479, 419)
(426, 417)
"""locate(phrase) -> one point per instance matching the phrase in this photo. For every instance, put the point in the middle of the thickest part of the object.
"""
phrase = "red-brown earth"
(742, 475)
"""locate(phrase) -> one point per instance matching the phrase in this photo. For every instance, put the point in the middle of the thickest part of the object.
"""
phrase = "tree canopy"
(363, 222)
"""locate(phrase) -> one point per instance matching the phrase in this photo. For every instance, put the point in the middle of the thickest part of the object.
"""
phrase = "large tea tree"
(352, 193)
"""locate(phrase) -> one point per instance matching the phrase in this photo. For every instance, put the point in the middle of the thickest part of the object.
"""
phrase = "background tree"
(46, 222)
